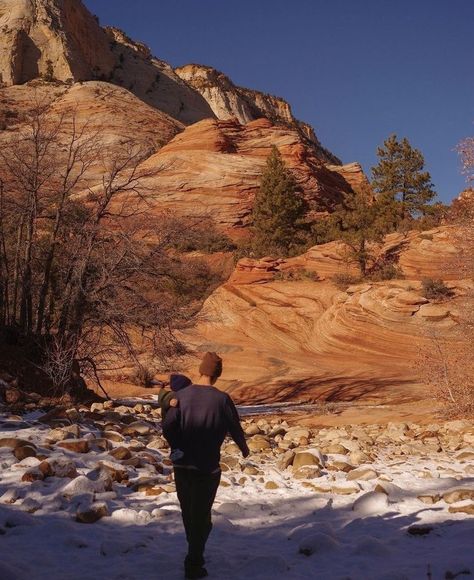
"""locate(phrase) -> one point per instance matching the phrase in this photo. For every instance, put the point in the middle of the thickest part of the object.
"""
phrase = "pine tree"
(399, 176)
(361, 219)
(279, 209)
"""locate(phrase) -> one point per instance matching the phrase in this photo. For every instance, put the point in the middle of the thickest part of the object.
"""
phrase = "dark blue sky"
(355, 70)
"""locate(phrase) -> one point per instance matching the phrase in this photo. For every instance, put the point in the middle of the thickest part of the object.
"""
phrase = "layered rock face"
(107, 115)
(213, 168)
(229, 101)
(298, 337)
(114, 112)
(153, 80)
(61, 40)
(56, 38)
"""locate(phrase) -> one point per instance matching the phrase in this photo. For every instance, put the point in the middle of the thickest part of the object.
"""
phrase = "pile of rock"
(89, 455)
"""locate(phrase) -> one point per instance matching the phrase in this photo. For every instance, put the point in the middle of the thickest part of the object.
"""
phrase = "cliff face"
(61, 40)
(230, 101)
(214, 167)
(51, 38)
(302, 338)
(153, 80)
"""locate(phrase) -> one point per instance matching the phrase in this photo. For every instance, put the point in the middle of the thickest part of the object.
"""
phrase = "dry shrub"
(385, 271)
(343, 280)
(435, 289)
(143, 376)
(296, 275)
(447, 366)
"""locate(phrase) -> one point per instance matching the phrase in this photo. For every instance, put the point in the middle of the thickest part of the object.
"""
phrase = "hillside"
(203, 144)
(299, 337)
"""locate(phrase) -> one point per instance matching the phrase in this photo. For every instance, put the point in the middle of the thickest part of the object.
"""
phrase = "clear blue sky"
(355, 70)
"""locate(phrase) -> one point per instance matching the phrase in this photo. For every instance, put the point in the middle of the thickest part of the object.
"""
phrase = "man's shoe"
(193, 572)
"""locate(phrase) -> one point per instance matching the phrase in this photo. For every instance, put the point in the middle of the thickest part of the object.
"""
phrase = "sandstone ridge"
(288, 333)
(60, 41)
(230, 101)
(214, 167)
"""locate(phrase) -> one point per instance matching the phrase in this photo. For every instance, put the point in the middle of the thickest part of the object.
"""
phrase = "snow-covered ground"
(312, 528)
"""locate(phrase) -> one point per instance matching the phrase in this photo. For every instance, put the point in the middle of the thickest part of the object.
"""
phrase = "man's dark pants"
(196, 493)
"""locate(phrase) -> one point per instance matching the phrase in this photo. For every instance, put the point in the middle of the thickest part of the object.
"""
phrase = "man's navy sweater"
(199, 425)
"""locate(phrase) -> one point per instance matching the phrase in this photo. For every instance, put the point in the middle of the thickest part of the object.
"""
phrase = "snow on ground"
(298, 530)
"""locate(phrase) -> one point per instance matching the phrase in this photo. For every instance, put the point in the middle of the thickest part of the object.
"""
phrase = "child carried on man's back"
(166, 399)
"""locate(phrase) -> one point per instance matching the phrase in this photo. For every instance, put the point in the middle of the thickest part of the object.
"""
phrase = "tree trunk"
(362, 258)
(47, 271)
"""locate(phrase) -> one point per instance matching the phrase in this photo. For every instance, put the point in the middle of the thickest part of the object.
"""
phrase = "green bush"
(344, 280)
(435, 289)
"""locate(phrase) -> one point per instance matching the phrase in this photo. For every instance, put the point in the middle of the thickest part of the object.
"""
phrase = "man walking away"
(198, 427)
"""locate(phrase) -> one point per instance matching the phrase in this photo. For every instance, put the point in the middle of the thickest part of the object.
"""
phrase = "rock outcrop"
(214, 167)
(102, 107)
(56, 50)
(51, 38)
(229, 101)
(106, 114)
(299, 337)
(60, 40)
(153, 80)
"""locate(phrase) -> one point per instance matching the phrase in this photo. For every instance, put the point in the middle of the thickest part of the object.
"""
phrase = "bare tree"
(89, 271)
(448, 365)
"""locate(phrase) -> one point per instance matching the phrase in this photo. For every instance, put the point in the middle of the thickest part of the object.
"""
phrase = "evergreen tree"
(399, 176)
(279, 209)
(361, 219)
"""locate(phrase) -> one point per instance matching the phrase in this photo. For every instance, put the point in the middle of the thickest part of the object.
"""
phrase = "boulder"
(75, 445)
(345, 489)
(307, 472)
(252, 429)
(336, 448)
(285, 460)
(14, 443)
(313, 457)
(340, 466)
(24, 451)
(460, 494)
(138, 428)
(120, 453)
(116, 471)
(258, 443)
(90, 514)
(371, 503)
(362, 474)
(114, 436)
(271, 485)
(465, 456)
(464, 509)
